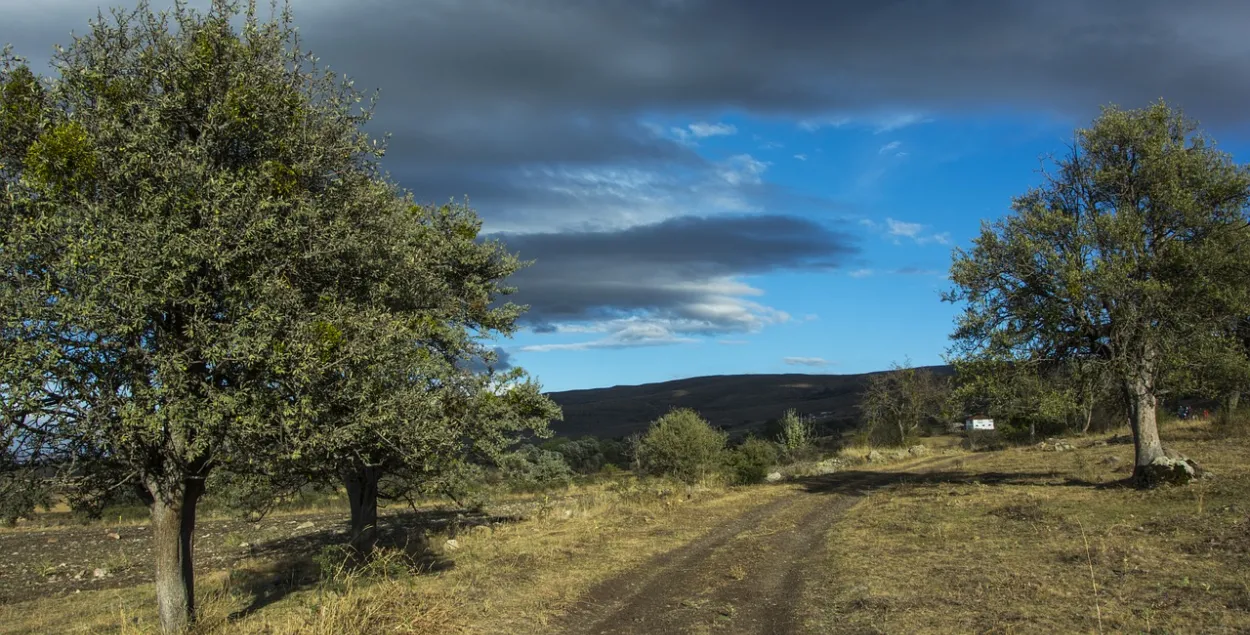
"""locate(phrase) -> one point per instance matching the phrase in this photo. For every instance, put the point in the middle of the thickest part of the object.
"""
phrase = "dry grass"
(1019, 540)
(513, 578)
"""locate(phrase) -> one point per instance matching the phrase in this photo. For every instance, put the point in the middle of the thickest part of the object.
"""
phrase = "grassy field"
(1021, 540)
(1046, 542)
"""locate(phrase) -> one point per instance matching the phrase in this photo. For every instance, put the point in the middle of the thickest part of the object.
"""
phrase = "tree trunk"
(361, 482)
(1229, 408)
(1153, 465)
(173, 530)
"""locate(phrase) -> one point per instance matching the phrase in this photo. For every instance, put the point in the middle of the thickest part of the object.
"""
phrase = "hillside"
(734, 402)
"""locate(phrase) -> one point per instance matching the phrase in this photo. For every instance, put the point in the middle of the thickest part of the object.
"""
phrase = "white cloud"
(860, 273)
(743, 169)
(801, 157)
(631, 334)
(891, 123)
(900, 228)
(806, 361)
(812, 125)
(889, 147)
(703, 129)
(698, 130)
(721, 309)
(880, 123)
(733, 342)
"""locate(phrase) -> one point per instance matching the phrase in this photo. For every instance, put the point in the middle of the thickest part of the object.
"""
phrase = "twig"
(1089, 560)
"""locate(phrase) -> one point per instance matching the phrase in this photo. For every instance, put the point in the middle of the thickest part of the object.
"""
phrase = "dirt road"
(746, 576)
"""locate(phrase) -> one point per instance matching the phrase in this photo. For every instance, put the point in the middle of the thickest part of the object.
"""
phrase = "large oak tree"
(1133, 254)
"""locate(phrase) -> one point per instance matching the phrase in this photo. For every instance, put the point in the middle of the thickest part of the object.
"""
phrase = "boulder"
(918, 450)
(875, 457)
(1173, 468)
(773, 477)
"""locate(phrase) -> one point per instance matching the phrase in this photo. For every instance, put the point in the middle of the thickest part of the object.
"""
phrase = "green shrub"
(531, 468)
(683, 445)
(584, 456)
(750, 462)
(796, 436)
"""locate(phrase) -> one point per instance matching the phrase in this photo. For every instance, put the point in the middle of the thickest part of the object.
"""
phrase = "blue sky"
(735, 186)
(912, 191)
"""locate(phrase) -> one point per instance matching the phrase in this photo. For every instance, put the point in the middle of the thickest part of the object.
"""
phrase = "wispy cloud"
(704, 129)
(806, 361)
(880, 123)
(701, 130)
(801, 157)
(732, 342)
(891, 123)
(860, 273)
(890, 147)
(631, 334)
(916, 232)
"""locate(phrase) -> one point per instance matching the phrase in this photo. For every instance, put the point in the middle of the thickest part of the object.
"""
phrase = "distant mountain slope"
(734, 402)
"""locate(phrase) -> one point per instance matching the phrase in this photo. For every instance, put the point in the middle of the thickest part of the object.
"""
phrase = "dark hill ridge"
(734, 402)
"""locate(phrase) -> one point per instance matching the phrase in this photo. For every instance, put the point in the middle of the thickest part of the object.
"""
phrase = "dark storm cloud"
(680, 269)
(471, 86)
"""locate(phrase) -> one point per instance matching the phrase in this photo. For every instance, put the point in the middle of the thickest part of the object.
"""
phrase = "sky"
(737, 186)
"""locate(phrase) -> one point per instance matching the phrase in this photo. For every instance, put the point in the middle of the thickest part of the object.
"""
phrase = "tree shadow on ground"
(298, 560)
(860, 482)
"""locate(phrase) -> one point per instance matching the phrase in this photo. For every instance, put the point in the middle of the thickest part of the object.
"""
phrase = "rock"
(875, 457)
(918, 450)
(1111, 461)
(100, 573)
(1172, 468)
(114, 536)
(308, 524)
(773, 477)
(245, 545)
(451, 545)
(568, 513)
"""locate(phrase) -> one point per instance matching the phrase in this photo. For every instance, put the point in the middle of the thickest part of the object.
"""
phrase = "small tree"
(751, 461)
(1134, 253)
(796, 435)
(682, 444)
(896, 404)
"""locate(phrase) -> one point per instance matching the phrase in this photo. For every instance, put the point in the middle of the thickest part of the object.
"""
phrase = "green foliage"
(897, 404)
(1133, 254)
(532, 469)
(683, 445)
(796, 436)
(584, 455)
(751, 461)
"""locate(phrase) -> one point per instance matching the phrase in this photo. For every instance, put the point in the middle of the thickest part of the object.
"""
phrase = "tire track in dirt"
(746, 576)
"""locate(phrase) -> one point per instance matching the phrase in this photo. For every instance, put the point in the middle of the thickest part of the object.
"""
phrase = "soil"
(746, 576)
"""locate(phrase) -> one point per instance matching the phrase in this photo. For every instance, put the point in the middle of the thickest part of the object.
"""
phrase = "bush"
(751, 461)
(683, 445)
(796, 436)
(531, 468)
(584, 455)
